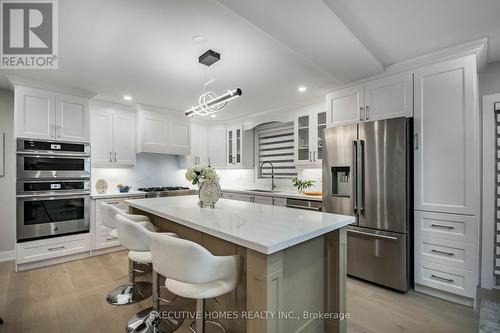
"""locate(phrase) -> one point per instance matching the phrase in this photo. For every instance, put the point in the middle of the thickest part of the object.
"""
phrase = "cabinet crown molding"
(157, 109)
(478, 47)
(16, 81)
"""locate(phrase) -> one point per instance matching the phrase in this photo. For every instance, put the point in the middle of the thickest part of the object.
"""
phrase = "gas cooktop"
(166, 191)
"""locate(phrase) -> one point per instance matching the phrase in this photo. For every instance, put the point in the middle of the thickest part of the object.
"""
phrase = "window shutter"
(275, 145)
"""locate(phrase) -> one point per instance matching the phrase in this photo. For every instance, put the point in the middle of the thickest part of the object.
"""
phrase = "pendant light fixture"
(209, 102)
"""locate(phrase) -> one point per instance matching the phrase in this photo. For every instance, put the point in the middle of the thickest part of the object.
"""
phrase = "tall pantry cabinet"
(446, 179)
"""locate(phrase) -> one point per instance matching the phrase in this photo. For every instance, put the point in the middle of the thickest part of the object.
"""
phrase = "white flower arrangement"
(199, 173)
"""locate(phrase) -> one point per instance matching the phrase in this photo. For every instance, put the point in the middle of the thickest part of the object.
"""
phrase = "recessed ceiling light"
(213, 115)
(127, 98)
(302, 89)
(198, 38)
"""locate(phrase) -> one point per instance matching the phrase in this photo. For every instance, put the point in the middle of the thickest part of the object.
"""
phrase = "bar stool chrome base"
(130, 293)
(150, 321)
(192, 326)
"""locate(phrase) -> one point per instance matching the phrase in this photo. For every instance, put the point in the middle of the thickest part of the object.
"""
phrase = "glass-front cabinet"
(309, 138)
(234, 146)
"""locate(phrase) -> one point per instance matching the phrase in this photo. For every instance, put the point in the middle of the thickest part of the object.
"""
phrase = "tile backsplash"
(163, 170)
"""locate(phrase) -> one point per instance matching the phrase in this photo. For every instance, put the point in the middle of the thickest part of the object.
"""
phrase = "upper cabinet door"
(217, 146)
(320, 136)
(180, 136)
(124, 138)
(154, 129)
(72, 118)
(390, 97)
(199, 145)
(446, 137)
(102, 137)
(303, 149)
(345, 106)
(35, 114)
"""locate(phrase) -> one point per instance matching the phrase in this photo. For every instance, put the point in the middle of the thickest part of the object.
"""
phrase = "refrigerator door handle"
(354, 175)
(372, 235)
(360, 175)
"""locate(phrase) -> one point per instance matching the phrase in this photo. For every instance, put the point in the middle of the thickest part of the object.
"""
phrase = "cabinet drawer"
(51, 248)
(446, 252)
(279, 202)
(118, 202)
(450, 279)
(229, 195)
(447, 226)
(103, 240)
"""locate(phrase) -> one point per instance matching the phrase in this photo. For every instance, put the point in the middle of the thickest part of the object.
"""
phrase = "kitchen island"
(294, 276)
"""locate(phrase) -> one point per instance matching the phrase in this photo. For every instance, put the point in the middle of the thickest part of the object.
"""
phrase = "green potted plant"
(302, 185)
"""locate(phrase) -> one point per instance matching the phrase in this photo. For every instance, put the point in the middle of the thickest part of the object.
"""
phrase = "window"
(274, 142)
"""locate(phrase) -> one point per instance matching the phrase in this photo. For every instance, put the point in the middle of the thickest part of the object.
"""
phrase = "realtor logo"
(29, 34)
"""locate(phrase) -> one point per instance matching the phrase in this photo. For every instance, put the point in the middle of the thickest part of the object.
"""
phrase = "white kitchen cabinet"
(72, 118)
(35, 113)
(446, 137)
(180, 136)
(113, 137)
(47, 115)
(389, 97)
(239, 147)
(100, 233)
(345, 106)
(124, 127)
(102, 137)
(446, 179)
(384, 98)
(163, 133)
(199, 145)
(217, 146)
(309, 138)
(47, 251)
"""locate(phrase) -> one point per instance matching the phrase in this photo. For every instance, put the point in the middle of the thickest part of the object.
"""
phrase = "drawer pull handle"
(113, 203)
(111, 238)
(441, 278)
(56, 248)
(442, 226)
(442, 252)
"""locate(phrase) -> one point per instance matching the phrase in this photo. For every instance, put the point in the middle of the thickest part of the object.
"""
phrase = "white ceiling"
(396, 30)
(312, 30)
(268, 48)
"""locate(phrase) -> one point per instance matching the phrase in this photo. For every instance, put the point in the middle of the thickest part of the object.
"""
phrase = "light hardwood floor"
(70, 298)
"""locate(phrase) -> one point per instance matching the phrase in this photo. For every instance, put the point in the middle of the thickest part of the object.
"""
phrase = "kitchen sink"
(264, 191)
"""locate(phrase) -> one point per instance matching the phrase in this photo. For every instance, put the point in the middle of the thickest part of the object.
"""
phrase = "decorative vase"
(209, 193)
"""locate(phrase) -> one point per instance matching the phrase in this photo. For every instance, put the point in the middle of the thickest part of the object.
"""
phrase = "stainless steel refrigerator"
(367, 173)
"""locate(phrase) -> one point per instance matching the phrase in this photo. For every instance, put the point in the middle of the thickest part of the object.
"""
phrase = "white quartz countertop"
(278, 194)
(263, 228)
(117, 194)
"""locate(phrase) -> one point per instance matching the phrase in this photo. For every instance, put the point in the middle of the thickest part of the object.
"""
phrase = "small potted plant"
(302, 185)
(123, 189)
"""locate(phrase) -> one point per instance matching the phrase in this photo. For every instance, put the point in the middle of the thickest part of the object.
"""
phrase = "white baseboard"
(470, 302)
(7, 255)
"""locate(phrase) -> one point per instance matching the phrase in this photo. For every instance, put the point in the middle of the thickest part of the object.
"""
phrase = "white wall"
(489, 79)
(7, 183)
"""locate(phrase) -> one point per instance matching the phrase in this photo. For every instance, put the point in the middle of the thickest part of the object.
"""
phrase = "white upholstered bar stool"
(191, 271)
(132, 292)
(137, 239)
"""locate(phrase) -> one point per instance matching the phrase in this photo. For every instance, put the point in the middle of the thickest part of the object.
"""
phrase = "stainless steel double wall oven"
(53, 188)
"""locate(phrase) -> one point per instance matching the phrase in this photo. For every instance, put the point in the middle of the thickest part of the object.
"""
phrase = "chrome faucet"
(273, 186)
